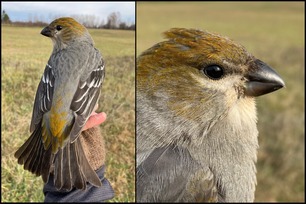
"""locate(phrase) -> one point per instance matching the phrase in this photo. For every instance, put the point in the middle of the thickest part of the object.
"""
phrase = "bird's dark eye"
(58, 27)
(213, 71)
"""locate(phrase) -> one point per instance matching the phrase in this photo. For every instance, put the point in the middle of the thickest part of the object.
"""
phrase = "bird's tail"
(34, 156)
(71, 167)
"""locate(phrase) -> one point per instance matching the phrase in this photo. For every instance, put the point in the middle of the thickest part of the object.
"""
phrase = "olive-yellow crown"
(198, 48)
(65, 29)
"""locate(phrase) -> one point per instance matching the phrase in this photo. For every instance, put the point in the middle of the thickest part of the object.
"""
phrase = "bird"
(67, 93)
(197, 137)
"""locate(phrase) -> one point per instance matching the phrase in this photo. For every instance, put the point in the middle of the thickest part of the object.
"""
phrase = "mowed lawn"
(274, 33)
(24, 56)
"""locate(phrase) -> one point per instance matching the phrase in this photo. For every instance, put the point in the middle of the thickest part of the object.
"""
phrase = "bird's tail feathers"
(73, 169)
(34, 156)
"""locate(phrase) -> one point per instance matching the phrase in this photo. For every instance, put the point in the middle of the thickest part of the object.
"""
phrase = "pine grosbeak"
(196, 118)
(66, 96)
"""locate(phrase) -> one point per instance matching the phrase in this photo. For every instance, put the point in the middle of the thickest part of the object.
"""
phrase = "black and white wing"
(85, 98)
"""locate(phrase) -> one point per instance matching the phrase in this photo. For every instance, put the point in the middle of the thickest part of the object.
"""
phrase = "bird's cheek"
(240, 88)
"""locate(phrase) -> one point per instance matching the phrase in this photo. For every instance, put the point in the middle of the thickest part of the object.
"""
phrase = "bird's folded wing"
(85, 98)
(43, 98)
(170, 174)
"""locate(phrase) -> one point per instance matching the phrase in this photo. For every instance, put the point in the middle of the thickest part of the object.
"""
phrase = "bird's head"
(196, 73)
(65, 30)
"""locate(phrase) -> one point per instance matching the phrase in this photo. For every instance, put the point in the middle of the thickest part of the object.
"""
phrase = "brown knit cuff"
(93, 146)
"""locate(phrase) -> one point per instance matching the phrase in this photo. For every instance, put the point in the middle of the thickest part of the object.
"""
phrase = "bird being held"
(196, 118)
(66, 96)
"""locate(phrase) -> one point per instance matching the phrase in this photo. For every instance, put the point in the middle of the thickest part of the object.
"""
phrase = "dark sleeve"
(91, 194)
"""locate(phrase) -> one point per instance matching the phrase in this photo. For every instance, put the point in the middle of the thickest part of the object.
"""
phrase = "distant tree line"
(5, 18)
(90, 21)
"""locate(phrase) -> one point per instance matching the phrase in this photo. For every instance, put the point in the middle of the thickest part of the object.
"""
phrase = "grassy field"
(24, 55)
(273, 32)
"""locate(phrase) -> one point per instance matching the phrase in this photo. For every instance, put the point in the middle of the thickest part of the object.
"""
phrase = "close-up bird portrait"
(220, 102)
(196, 118)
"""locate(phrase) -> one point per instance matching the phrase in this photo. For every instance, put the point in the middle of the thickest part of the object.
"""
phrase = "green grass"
(24, 55)
(274, 33)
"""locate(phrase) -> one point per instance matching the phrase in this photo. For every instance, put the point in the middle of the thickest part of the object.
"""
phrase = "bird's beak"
(46, 32)
(262, 80)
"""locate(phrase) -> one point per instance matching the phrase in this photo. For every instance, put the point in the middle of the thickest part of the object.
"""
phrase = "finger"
(94, 120)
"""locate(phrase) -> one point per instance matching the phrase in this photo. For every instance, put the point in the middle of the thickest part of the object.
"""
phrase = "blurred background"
(273, 32)
(24, 54)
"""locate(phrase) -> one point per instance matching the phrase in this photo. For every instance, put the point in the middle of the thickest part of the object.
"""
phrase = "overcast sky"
(47, 11)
